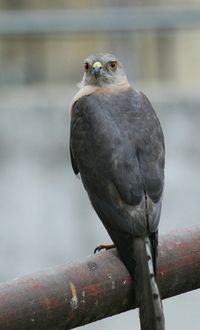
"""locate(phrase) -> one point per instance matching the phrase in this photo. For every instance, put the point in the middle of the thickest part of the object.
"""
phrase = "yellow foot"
(104, 247)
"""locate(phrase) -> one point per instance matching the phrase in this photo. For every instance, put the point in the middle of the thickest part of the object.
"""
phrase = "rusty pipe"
(71, 295)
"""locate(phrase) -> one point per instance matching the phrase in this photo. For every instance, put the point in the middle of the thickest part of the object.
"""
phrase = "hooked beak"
(97, 66)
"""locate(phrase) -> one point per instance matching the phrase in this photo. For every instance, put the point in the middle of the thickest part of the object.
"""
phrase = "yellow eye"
(86, 66)
(113, 65)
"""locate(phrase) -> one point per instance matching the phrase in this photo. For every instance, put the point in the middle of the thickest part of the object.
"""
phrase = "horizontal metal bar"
(99, 286)
(98, 20)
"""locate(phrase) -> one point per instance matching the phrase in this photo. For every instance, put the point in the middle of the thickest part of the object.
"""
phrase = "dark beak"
(97, 72)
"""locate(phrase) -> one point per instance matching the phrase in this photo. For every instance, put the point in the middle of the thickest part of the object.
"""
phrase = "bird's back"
(127, 125)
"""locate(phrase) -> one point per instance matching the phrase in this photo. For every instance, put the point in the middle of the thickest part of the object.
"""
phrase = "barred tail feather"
(147, 293)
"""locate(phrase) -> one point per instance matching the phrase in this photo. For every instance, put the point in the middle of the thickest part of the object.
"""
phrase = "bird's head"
(101, 70)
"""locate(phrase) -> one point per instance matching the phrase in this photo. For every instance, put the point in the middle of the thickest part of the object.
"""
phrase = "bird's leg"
(104, 247)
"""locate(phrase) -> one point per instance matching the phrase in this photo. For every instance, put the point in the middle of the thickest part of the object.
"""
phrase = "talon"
(104, 247)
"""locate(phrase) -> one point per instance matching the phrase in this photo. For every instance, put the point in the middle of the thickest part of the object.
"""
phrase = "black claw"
(97, 249)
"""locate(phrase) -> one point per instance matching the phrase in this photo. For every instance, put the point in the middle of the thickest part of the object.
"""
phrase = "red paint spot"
(92, 291)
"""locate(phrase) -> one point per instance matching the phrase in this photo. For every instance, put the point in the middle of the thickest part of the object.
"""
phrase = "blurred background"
(45, 215)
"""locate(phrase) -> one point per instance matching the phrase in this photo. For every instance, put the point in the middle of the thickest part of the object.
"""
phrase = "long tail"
(147, 293)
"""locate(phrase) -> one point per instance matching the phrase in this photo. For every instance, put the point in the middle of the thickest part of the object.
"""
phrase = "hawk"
(117, 146)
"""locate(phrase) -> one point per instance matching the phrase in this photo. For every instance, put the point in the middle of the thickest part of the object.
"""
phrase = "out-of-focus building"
(156, 54)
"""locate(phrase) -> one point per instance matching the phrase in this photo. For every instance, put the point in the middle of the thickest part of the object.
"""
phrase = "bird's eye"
(113, 65)
(86, 66)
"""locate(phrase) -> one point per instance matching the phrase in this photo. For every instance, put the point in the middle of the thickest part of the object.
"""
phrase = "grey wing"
(151, 153)
(141, 158)
(151, 157)
(140, 169)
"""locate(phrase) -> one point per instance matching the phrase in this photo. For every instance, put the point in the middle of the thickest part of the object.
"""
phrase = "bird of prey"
(117, 146)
